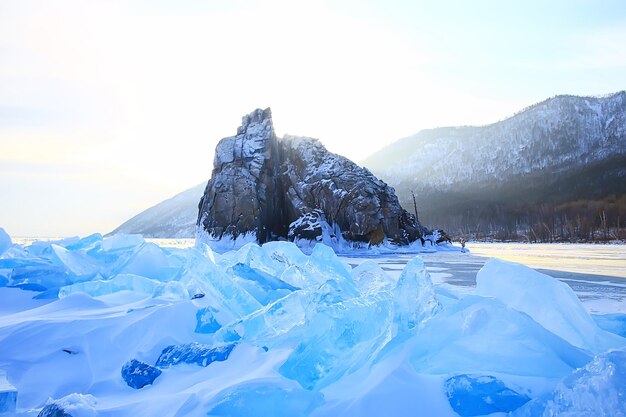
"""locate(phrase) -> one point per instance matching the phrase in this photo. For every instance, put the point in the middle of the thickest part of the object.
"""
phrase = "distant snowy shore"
(119, 326)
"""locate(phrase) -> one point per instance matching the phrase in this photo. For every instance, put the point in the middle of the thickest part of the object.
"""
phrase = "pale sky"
(108, 107)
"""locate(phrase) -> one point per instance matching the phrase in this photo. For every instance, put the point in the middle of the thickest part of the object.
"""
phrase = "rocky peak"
(267, 188)
(253, 136)
(256, 122)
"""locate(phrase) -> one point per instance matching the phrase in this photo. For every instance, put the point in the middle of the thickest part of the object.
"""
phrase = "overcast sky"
(108, 107)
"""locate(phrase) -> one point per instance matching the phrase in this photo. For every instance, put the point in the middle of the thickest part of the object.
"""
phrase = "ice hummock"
(477, 395)
(122, 282)
(614, 323)
(597, 389)
(74, 405)
(138, 374)
(5, 241)
(193, 353)
(414, 297)
(267, 398)
(370, 278)
(270, 330)
(549, 302)
(8, 395)
(483, 335)
(340, 337)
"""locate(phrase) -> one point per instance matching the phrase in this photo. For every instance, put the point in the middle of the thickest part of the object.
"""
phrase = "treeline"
(579, 221)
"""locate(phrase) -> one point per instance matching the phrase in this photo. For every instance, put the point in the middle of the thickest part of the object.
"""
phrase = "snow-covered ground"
(119, 326)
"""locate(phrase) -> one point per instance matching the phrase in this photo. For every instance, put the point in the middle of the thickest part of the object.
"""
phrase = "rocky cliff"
(267, 188)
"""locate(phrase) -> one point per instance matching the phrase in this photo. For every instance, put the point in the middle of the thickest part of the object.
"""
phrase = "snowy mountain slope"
(173, 218)
(558, 134)
(563, 149)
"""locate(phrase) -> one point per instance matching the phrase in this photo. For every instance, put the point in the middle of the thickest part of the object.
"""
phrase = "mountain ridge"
(561, 150)
(587, 134)
(174, 217)
(478, 126)
(553, 111)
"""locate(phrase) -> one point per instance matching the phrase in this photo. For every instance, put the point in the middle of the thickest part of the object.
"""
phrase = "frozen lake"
(597, 273)
(123, 327)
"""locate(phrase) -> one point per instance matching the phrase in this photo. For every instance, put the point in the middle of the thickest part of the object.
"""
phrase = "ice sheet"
(270, 330)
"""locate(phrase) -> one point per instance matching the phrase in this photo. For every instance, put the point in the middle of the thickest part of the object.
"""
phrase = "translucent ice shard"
(478, 395)
(414, 297)
(151, 261)
(285, 253)
(597, 389)
(271, 325)
(35, 271)
(370, 278)
(78, 266)
(206, 321)
(614, 323)
(482, 335)
(121, 242)
(295, 277)
(261, 285)
(193, 353)
(138, 374)
(8, 396)
(253, 256)
(82, 405)
(171, 290)
(87, 243)
(201, 275)
(122, 282)
(324, 264)
(338, 339)
(548, 301)
(5, 241)
(265, 398)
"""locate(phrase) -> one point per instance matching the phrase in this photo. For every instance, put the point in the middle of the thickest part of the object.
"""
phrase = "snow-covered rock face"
(272, 188)
(231, 204)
